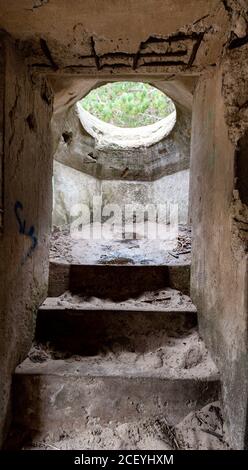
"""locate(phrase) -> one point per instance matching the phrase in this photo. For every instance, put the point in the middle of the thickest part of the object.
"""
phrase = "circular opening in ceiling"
(127, 114)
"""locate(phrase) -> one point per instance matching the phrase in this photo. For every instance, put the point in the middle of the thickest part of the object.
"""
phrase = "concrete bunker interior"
(128, 174)
(132, 355)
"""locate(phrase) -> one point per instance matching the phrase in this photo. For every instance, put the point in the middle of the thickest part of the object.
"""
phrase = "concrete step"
(89, 325)
(195, 432)
(117, 282)
(63, 395)
(113, 363)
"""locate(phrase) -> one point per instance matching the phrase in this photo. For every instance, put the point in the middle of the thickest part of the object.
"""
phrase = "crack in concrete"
(227, 7)
(200, 19)
(47, 53)
(94, 54)
(238, 42)
(167, 63)
(12, 113)
(197, 37)
(195, 49)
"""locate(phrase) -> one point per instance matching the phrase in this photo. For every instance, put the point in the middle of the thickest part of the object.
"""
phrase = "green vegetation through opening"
(128, 104)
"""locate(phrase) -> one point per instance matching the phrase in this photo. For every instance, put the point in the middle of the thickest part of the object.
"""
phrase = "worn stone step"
(118, 282)
(194, 432)
(89, 325)
(58, 396)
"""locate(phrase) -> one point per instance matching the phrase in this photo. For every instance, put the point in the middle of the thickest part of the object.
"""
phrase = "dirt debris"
(182, 356)
(65, 249)
(203, 429)
(163, 298)
(200, 430)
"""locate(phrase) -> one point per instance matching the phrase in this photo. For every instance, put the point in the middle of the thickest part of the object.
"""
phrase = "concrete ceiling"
(104, 37)
(68, 90)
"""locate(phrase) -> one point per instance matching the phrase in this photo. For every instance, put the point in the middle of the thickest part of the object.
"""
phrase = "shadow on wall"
(107, 135)
(242, 168)
(76, 148)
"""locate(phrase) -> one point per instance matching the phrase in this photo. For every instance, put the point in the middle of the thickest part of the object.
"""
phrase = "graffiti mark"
(23, 230)
(19, 206)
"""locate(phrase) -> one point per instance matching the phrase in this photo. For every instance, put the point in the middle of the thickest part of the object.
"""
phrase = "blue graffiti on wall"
(23, 230)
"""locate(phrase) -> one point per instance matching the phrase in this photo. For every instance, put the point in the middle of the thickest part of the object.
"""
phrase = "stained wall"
(219, 225)
(24, 241)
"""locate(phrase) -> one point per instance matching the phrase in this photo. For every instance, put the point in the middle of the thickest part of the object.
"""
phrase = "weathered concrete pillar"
(220, 224)
(26, 202)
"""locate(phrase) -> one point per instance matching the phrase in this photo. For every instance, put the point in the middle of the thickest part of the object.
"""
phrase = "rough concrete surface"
(74, 194)
(78, 149)
(190, 35)
(27, 197)
(63, 391)
(188, 48)
(66, 401)
(66, 249)
(67, 322)
(200, 430)
(110, 136)
(219, 256)
(148, 370)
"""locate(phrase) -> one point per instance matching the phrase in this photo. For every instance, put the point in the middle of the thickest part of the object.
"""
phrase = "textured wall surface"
(168, 189)
(116, 37)
(76, 148)
(72, 187)
(131, 39)
(219, 257)
(27, 212)
(2, 85)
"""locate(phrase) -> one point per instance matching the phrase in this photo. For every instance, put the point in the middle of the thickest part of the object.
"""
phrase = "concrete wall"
(70, 188)
(73, 187)
(97, 38)
(157, 173)
(1, 130)
(74, 147)
(27, 197)
(219, 252)
(174, 189)
(168, 189)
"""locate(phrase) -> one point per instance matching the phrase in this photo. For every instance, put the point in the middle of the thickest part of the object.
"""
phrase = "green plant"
(128, 104)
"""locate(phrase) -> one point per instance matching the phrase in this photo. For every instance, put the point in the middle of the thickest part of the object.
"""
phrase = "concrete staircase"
(101, 356)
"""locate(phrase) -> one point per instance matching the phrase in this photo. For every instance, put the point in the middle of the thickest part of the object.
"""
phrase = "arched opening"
(123, 153)
(117, 359)
(127, 114)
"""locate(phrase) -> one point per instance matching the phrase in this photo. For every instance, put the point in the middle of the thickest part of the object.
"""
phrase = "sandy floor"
(164, 299)
(64, 248)
(201, 430)
(182, 356)
(169, 355)
(172, 351)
